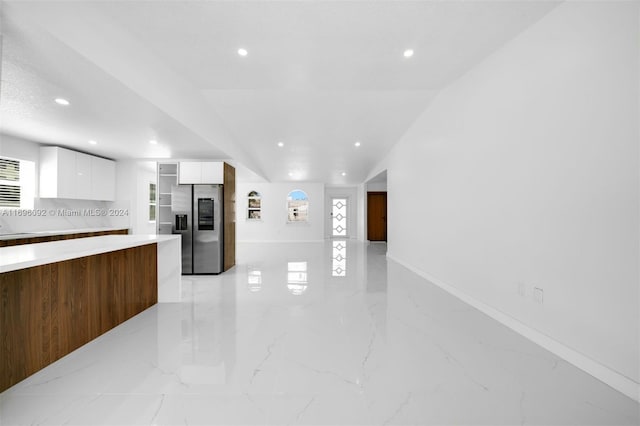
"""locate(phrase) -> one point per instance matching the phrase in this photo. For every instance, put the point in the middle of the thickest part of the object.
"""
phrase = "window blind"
(9, 170)
(9, 183)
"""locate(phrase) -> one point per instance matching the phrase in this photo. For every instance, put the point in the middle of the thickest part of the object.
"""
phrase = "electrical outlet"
(522, 289)
(538, 295)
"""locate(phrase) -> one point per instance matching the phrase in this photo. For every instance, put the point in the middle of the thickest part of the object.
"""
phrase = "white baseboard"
(605, 374)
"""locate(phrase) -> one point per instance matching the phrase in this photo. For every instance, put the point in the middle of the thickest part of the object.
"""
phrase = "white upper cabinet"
(83, 176)
(103, 182)
(190, 172)
(213, 172)
(57, 173)
(69, 174)
(195, 172)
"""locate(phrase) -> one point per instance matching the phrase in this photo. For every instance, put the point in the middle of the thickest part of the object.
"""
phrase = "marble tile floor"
(313, 333)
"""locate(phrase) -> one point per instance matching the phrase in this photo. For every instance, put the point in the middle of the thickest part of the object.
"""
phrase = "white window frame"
(153, 203)
(26, 182)
(254, 209)
(289, 207)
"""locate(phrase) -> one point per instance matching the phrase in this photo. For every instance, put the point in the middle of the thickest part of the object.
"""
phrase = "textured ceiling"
(319, 76)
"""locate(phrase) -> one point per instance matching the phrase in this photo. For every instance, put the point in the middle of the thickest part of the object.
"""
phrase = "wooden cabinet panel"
(69, 301)
(116, 304)
(141, 269)
(25, 334)
(105, 300)
(97, 271)
(229, 196)
(48, 311)
(148, 273)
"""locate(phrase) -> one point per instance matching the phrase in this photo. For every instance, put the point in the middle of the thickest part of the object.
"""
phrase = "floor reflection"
(254, 278)
(339, 258)
(297, 280)
(312, 333)
(376, 271)
(207, 332)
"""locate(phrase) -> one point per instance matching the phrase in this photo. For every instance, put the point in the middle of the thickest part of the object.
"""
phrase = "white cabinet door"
(65, 174)
(103, 179)
(83, 176)
(190, 172)
(70, 174)
(212, 172)
(49, 172)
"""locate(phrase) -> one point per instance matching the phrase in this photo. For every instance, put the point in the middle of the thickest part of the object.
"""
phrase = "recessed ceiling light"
(153, 142)
(357, 144)
(61, 101)
(344, 173)
(92, 142)
(280, 144)
(291, 174)
(408, 53)
(242, 52)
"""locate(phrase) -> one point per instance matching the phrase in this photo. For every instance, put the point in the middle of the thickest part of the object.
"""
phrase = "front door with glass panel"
(339, 217)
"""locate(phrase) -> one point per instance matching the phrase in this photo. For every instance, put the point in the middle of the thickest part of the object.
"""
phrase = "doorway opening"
(375, 213)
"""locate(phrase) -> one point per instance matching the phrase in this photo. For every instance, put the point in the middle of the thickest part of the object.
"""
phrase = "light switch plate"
(538, 295)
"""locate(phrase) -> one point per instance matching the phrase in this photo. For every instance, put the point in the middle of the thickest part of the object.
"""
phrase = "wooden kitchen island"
(57, 296)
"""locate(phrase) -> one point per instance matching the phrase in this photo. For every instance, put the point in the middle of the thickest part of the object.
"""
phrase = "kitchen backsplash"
(60, 214)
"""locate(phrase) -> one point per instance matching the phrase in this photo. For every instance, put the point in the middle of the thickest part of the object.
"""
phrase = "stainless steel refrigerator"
(197, 217)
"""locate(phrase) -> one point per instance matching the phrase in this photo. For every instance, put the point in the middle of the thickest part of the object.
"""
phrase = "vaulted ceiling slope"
(318, 76)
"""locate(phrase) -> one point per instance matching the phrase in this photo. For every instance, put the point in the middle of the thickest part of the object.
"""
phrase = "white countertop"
(19, 235)
(29, 255)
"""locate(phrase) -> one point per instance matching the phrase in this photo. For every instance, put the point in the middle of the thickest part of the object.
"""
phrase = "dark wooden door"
(377, 216)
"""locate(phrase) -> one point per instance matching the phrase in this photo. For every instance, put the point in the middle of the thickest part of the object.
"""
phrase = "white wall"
(147, 173)
(132, 190)
(21, 149)
(62, 214)
(377, 186)
(18, 148)
(524, 173)
(274, 226)
(362, 211)
(351, 194)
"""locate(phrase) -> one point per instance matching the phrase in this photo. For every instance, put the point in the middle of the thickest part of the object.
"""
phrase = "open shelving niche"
(167, 177)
